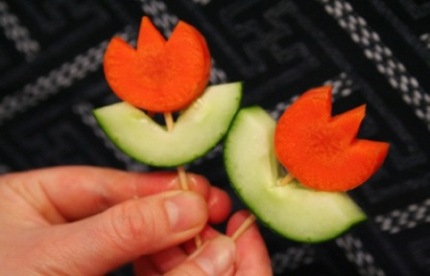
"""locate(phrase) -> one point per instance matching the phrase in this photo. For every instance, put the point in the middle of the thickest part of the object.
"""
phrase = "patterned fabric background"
(372, 51)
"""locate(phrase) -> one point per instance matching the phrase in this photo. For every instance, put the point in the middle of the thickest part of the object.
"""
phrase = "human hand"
(88, 221)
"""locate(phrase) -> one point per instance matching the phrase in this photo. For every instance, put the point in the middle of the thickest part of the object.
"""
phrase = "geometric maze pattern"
(372, 51)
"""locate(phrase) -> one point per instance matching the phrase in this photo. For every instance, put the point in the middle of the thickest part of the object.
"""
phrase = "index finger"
(81, 191)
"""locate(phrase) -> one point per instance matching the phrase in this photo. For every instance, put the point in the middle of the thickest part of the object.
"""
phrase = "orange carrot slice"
(322, 151)
(159, 75)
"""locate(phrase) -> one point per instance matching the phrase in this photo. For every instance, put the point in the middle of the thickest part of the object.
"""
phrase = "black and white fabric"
(375, 52)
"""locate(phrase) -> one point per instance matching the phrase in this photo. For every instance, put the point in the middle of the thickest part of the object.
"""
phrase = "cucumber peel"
(294, 211)
(197, 129)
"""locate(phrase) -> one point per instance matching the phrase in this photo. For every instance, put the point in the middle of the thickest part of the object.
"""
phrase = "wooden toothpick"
(243, 227)
(183, 179)
(287, 179)
(170, 123)
(182, 174)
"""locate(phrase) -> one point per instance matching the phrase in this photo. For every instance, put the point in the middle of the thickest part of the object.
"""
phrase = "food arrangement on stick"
(167, 77)
(304, 199)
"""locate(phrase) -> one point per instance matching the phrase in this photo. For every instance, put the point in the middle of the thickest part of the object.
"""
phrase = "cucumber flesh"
(293, 211)
(198, 128)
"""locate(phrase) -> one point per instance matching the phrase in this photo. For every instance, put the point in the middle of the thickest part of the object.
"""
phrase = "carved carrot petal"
(159, 76)
(322, 151)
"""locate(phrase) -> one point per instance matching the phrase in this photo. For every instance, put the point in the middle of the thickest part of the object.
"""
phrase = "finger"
(252, 255)
(219, 204)
(128, 230)
(56, 191)
(215, 257)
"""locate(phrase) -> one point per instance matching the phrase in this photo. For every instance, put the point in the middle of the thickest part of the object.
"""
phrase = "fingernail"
(185, 210)
(217, 256)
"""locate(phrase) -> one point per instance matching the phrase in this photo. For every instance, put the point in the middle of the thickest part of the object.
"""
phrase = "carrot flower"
(159, 75)
(322, 150)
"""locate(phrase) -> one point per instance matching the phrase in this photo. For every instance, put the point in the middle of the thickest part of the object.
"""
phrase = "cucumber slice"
(199, 128)
(293, 211)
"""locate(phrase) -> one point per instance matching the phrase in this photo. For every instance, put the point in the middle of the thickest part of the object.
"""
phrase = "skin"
(89, 221)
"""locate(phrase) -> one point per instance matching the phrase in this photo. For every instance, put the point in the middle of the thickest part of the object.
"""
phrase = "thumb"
(216, 257)
(126, 231)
